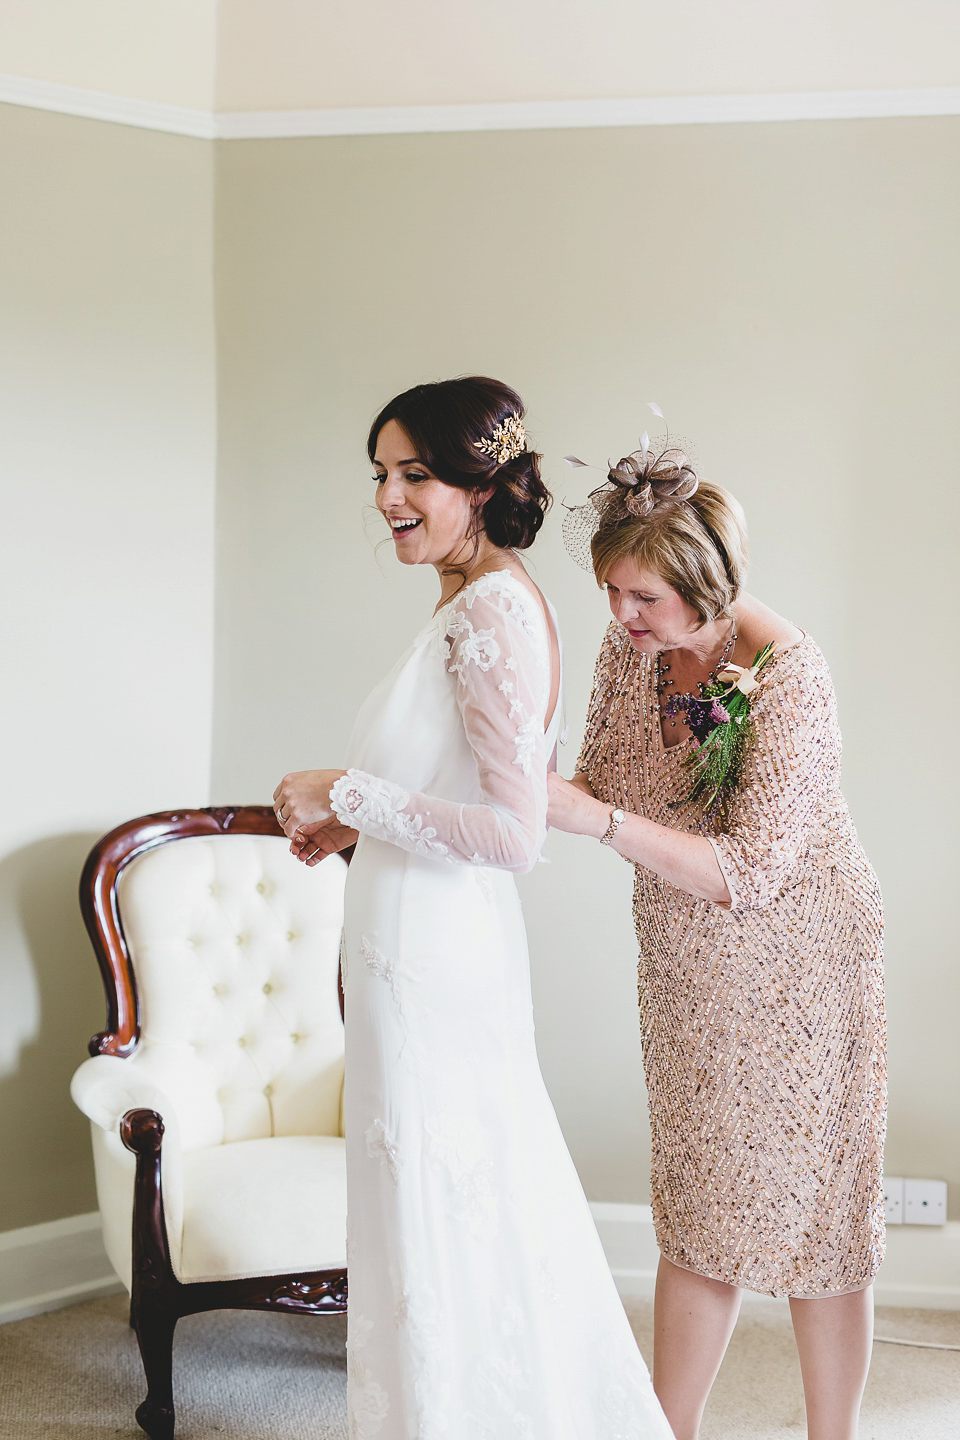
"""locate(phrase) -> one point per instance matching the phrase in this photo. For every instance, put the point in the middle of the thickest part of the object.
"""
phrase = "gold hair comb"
(507, 442)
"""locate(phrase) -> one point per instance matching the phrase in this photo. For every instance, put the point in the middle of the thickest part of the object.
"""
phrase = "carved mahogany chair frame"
(158, 1299)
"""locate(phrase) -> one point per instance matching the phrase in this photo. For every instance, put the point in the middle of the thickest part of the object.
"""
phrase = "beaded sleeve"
(498, 657)
(792, 763)
(601, 698)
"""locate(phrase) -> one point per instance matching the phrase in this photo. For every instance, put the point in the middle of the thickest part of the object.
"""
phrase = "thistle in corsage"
(720, 720)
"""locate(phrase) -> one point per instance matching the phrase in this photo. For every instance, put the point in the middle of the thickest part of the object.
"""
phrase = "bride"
(481, 1305)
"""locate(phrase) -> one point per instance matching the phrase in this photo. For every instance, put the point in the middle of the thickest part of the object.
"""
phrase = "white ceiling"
(310, 54)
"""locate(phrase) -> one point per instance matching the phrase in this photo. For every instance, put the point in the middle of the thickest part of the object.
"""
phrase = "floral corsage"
(720, 720)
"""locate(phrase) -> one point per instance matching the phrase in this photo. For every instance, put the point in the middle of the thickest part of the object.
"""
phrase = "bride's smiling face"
(431, 522)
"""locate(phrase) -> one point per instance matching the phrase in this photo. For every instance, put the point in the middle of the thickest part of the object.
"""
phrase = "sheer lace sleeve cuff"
(378, 807)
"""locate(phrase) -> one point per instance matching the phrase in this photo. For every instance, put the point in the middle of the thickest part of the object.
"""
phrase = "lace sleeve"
(793, 759)
(500, 663)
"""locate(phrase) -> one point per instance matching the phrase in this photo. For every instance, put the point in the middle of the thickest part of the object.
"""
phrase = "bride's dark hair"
(445, 421)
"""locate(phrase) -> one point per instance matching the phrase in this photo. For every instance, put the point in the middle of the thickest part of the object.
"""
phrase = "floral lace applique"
(367, 1402)
(474, 1201)
(503, 1382)
(477, 647)
(527, 739)
(417, 1313)
(380, 1146)
(485, 883)
(624, 1397)
(480, 648)
(515, 598)
(625, 1410)
(546, 1275)
(512, 1320)
(376, 806)
(378, 963)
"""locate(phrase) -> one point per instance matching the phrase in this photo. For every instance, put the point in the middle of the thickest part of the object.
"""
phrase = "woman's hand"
(303, 798)
(572, 806)
(312, 843)
(687, 861)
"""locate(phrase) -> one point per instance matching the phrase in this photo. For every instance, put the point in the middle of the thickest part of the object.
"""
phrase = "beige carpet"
(75, 1375)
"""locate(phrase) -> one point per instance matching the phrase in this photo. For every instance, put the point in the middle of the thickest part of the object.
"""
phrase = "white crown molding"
(590, 114)
(98, 105)
(520, 115)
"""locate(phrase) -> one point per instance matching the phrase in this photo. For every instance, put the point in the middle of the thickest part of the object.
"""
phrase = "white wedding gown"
(481, 1306)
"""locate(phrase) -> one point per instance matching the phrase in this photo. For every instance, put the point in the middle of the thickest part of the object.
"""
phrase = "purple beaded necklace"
(694, 709)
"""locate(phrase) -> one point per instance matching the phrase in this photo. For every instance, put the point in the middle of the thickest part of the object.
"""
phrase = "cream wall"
(300, 54)
(106, 585)
(790, 296)
(124, 47)
(787, 292)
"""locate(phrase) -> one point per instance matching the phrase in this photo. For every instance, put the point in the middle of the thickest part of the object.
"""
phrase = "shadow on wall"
(52, 1002)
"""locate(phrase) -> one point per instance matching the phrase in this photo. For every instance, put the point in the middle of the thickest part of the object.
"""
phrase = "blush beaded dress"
(762, 1024)
(481, 1306)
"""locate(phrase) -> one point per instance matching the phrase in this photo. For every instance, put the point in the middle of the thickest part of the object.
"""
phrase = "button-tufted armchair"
(222, 1058)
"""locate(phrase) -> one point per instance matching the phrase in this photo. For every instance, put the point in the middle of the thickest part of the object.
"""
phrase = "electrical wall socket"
(925, 1202)
(893, 1199)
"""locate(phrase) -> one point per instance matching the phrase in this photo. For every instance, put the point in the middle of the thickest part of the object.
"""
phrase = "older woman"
(759, 925)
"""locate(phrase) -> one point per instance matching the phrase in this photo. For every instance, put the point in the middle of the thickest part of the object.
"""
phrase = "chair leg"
(155, 1327)
(153, 1310)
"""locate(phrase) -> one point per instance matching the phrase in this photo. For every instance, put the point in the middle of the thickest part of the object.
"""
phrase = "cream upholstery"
(235, 947)
(280, 1207)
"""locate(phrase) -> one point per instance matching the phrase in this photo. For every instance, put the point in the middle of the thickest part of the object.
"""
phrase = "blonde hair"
(698, 546)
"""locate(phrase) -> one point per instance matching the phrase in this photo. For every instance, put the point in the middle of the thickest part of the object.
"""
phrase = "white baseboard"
(516, 115)
(921, 1271)
(45, 1267)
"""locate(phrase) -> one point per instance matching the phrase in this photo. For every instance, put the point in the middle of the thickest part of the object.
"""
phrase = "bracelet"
(617, 818)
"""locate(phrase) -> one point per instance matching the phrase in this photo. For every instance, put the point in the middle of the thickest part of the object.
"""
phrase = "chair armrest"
(106, 1087)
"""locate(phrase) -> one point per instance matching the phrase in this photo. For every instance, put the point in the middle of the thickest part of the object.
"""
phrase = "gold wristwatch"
(616, 820)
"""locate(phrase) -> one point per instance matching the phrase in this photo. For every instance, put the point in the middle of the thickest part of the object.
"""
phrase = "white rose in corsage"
(720, 721)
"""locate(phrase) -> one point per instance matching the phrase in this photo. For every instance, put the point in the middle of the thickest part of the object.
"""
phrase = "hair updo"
(444, 421)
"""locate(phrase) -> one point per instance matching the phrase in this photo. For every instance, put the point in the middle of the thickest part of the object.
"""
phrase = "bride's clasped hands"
(302, 805)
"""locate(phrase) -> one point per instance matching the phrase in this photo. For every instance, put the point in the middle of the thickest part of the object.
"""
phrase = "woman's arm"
(687, 861)
(792, 763)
